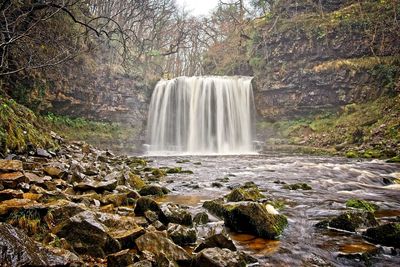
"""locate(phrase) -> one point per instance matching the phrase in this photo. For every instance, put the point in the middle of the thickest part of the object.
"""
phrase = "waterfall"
(201, 115)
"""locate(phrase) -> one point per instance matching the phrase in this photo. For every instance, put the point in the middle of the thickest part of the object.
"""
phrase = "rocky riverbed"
(83, 206)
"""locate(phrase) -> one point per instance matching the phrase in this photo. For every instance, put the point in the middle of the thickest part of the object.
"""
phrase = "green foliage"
(20, 127)
(387, 76)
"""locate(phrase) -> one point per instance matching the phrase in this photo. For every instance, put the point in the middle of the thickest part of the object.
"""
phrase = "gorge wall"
(313, 56)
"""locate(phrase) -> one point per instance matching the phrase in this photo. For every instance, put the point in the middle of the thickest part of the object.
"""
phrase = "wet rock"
(173, 213)
(10, 165)
(201, 218)
(158, 244)
(61, 210)
(121, 258)
(216, 241)
(255, 219)
(215, 207)
(17, 249)
(159, 226)
(115, 199)
(98, 186)
(181, 235)
(387, 234)
(127, 238)
(243, 194)
(302, 186)
(174, 170)
(35, 179)
(12, 179)
(153, 190)
(145, 203)
(151, 216)
(8, 206)
(350, 221)
(87, 235)
(217, 257)
(216, 184)
(42, 153)
(361, 204)
(158, 173)
(10, 194)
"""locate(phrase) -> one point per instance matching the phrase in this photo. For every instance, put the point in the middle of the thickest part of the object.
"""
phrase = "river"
(334, 180)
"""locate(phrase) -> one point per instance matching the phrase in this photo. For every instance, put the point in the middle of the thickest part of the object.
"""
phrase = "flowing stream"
(333, 180)
(201, 115)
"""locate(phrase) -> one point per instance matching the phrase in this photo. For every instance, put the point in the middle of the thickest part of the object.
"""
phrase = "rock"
(61, 210)
(121, 258)
(387, 234)
(158, 244)
(350, 221)
(216, 241)
(153, 190)
(361, 204)
(54, 172)
(127, 238)
(34, 179)
(158, 173)
(10, 194)
(173, 213)
(216, 184)
(10, 165)
(17, 249)
(302, 186)
(254, 218)
(151, 216)
(42, 153)
(215, 207)
(115, 199)
(87, 235)
(174, 170)
(8, 206)
(201, 218)
(243, 194)
(143, 263)
(134, 181)
(217, 257)
(181, 235)
(12, 179)
(145, 203)
(97, 186)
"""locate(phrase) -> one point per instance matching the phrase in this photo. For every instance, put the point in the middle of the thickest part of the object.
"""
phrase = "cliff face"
(311, 57)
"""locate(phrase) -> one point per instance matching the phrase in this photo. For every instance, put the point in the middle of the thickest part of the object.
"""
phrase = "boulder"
(134, 181)
(17, 249)
(255, 219)
(145, 203)
(158, 244)
(216, 241)
(387, 234)
(42, 153)
(302, 186)
(215, 207)
(174, 213)
(153, 190)
(126, 238)
(218, 257)
(10, 194)
(87, 235)
(54, 172)
(181, 235)
(350, 221)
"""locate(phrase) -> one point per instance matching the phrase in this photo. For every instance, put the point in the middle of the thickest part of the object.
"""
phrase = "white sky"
(198, 7)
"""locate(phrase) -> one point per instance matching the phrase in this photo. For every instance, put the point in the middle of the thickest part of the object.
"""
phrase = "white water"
(201, 115)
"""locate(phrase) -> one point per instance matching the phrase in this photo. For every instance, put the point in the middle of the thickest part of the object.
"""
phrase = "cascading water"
(202, 115)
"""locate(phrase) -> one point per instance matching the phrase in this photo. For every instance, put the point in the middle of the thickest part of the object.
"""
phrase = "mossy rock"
(242, 194)
(153, 190)
(158, 172)
(144, 204)
(174, 170)
(387, 234)
(302, 186)
(182, 235)
(216, 207)
(372, 154)
(351, 221)
(201, 218)
(187, 172)
(361, 204)
(253, 218)
(135, 181)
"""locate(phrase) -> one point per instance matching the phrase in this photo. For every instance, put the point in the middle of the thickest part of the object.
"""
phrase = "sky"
(198, 7)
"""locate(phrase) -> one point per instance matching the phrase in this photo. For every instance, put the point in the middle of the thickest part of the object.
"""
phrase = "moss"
(243, 194)
(361, 204)
(395, 159)
(174, 170)
(351, 154)
(158, 172)
(302, 186)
